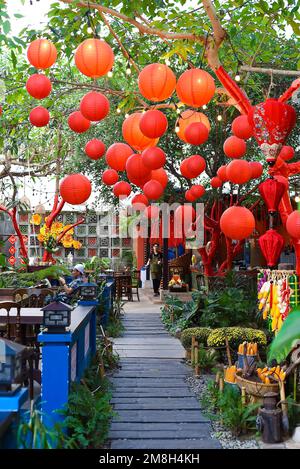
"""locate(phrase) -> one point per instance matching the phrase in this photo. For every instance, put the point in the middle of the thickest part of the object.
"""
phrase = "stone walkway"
(155, 408)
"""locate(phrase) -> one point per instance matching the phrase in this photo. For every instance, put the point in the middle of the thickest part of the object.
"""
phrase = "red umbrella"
(271, 244)
(272, 191)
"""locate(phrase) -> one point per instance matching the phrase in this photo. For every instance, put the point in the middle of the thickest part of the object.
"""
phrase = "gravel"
(225, 437)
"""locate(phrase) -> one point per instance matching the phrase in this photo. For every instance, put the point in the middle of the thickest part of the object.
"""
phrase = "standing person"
(155, 262)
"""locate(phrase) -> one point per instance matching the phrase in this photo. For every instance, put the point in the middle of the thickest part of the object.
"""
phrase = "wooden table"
(32, 316)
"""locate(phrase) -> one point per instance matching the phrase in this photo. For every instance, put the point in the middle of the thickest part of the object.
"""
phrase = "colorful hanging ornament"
(41, 53)
(271, 190)
(238, 171)
(156, 82)
(271, 244)
(195, 87)
(94, 58)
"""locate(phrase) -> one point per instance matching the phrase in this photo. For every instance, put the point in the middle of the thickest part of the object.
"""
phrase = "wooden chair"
(135, 284)
(123, 286)
(8, 330)
(20, 294)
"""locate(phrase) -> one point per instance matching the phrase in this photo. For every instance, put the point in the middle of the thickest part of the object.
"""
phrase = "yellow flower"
(44, 230)
(76, 244)
(36, 219)
(57, 227)
(41, 238)
(71, 231)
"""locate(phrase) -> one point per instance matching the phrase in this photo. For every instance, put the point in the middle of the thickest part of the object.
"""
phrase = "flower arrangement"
(57, 233)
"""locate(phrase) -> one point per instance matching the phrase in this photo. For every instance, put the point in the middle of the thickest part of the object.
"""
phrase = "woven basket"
(254, 388)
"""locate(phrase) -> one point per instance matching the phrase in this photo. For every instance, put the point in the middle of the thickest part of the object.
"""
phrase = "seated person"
(78, 279)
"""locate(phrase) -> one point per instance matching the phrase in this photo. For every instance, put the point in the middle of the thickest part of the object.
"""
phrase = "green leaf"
(286, 338)
(6, 27)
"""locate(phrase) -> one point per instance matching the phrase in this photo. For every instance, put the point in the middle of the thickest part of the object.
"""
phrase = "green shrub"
(207, 358)
(235, 336)
(201, 334)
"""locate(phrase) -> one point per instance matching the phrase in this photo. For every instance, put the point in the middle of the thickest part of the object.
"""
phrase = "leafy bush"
(235, 336)
(201, 334)
(207, 358)
(184, 314)
(19, 280)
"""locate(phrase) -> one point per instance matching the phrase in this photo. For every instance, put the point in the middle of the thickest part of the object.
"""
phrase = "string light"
(237, 77)
(118, 110)
(177, 128)
(219, 117)
(128, 69)
(110, 74)
(126, 115)
(90, 30)
(204, 107)
(167, 62)
(297, 199)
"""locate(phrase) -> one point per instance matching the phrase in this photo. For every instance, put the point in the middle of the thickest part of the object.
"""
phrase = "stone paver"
(154, 406)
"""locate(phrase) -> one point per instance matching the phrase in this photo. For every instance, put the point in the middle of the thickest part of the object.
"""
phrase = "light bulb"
(177, 128)
(219, 117)
(128, 70)
(126, 115)
(90, 30)
(237, 77)
(204, 107)
(167, 62)
(118, 111)
(178, 110)
(110, 74)
(297, 199)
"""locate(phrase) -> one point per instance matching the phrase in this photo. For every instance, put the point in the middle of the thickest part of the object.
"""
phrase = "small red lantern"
(196, 133)
(153, 123)
(195, 87)
(141, 181)
(110, 177)
(286, 153)
(39, 116)
(293, 224)
(241, 127)
(78, 123)
(185, 170)
(139, 200)
(234, 147)
(154, 157)
(197, 191)
(75, 189)
(221, 173)
(156, 82)
(256, 169)
(196, 165)
(132, 133)
(189, 196)
(122, 188)
(271, 244)
(239, 171)
(237, 223)
(95, 149)
(216, 182)
(94, 106)
(41, 53)
(135, 168)
(272, 190)
(161, 176)
(38, 86)
(153, 190)
(187, 118)
(94, 58)
(117, 155)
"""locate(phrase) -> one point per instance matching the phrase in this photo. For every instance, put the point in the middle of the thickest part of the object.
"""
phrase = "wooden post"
(228, 352)
(244, 396)
(192, 349)
(101, 368)
(221, 384)
(196, 357)
(217, 378)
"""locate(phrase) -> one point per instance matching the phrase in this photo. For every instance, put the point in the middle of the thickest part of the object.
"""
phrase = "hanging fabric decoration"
(271, 244)
(272, 190)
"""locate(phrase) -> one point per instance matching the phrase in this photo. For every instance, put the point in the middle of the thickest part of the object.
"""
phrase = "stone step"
(149, 382)
(160, 416)
(161, 426)
(203, 443)
(202, 432)
(154, 403)
(150, 393)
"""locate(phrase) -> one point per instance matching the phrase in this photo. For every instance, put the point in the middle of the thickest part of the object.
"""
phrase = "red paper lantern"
(153, 189)
(161, 176)
(256, 169)
(132, 133)
(221, 173)
(154, 157)
(272, 190)
(196, 133)
(197, 191)
(195, 87)
(216, 182)
(152, 211)
(293, 224)
(78, 123)
(287, 153)
(271, 244)
(196, 165)
(185, 170)
(241, 127)
(38, 86)
(271, 121)
(110, 177)
(41, 53)
(75, 189)
(94, 106)
(39, 116)
(94, 58)
(153, 123)
(282, 179)
(139, 200)
(239, 171)
(234, 147)
(117, 155)
(156, 82)
(140, 182)
(187, 118)
(237, 223)
(122, 188)
(95, 149)
(189, 196)
(135, 168)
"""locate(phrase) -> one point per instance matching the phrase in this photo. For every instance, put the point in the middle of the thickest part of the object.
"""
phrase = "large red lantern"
(272, 190)
(95, 149)
(187, 118)
(153, 189)
(139, 200)
(110, 177)
(78, 123)
(286, 153)
(154, 157)
(221, 173)
(135, 168)
(41, 53)
(94, 106)
(189, 196)
(132, 133)
(117, 155)
(195, 87)
(256, 169)
(196, 165)
(75, 189)
(271, 244)
(39, 116)
(234, 147)
(153, 123)
(271, 121)
(239, 171)
(122, 189)
(241, 127)
(185, 170)
(216, 182)
(237, 223)
(197, 191)
(156, 82)
(141, 181)
(196, 133)
(94, 58)
(38, 86)
(293, 224)
(161, 176)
